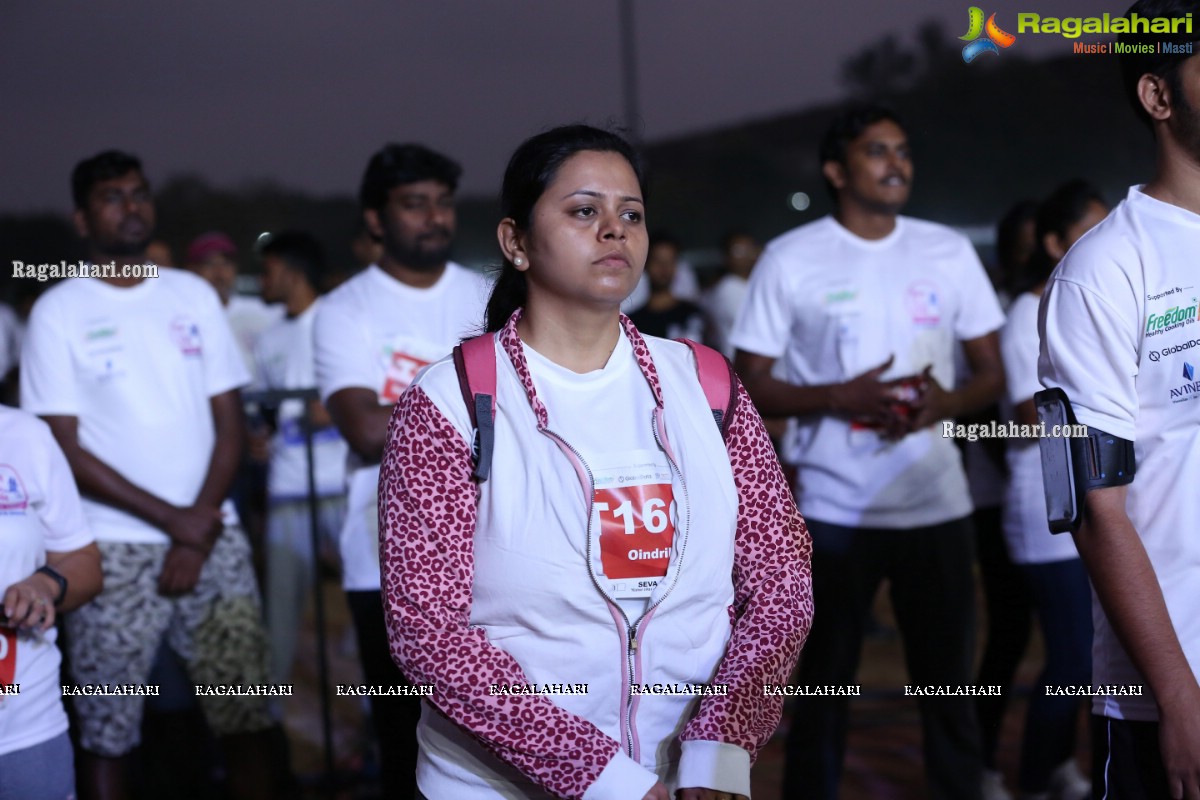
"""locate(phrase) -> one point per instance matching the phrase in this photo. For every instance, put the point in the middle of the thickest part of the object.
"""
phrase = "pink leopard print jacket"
(488, 586)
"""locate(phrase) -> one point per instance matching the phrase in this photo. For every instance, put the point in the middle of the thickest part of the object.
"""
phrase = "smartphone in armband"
(1073, 465)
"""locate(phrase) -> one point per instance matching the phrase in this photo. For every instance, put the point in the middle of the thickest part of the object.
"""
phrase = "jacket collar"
(511, 342)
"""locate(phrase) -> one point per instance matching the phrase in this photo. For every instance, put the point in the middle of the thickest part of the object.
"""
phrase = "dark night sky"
(302, 92)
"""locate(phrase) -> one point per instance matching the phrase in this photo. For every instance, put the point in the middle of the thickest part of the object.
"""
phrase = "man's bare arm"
(361, 420)
(864, 396)
(99, 481)
(983, 388)
(230, 425)
(1127, 586)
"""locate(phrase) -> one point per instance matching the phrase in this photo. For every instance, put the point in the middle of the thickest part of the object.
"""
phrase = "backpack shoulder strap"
(475, 363)
(718, 382)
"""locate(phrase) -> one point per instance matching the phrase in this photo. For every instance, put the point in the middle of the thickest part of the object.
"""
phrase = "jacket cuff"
(714, 765)
(621, 779)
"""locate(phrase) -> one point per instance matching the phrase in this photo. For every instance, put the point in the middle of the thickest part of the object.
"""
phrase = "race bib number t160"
(634, 514)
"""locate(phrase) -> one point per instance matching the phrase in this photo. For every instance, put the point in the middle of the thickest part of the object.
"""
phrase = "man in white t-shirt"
(372, 335)
(293, 266)
(724, 300)
(865, 308)
(1119, 336)
(213, 256)
(138, 380)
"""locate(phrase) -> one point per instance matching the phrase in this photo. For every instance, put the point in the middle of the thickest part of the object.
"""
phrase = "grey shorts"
(216, 630)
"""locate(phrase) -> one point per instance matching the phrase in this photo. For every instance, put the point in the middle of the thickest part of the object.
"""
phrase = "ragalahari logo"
(995, 37)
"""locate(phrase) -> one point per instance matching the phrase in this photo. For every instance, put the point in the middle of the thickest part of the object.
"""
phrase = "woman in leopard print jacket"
(604, 616)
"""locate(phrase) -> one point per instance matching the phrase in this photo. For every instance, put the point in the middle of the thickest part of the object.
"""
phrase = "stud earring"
(518, 261)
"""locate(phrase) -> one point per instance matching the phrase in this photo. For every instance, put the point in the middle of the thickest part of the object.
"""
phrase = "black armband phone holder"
(1074, 465)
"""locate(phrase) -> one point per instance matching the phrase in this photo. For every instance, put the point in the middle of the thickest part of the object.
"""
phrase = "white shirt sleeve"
(765, 320)
(1090, 350)
(224, 366)
(1019, 350)
(65, 527)
(980, 312)
(345, 354)
(48, 380)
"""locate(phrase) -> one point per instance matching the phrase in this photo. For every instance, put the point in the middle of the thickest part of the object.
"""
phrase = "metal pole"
(318, 597)
(274, 399)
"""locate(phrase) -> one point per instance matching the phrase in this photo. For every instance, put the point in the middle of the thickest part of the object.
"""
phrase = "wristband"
(58, 578)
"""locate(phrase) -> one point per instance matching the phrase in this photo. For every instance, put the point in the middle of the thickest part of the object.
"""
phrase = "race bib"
(8, 655)
(634, 513)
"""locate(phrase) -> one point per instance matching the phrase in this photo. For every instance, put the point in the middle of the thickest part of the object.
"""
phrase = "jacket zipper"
(627, 702)
(631, 629)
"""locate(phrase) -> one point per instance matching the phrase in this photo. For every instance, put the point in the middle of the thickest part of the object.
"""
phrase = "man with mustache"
(371, 336)
(866, 307)
(138, 380)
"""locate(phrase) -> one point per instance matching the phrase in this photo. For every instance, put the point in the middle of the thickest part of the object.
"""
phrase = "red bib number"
(8, 656)
(636, 533)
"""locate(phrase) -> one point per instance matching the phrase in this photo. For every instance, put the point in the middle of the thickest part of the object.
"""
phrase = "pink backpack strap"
(475, 363)
(717, 381)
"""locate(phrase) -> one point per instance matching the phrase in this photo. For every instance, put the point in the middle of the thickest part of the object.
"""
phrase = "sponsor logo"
(186, 335)
(1174, 317)
(1187, 391)
(1158, 355)
(921, 300)
(983, 37)
(840, 296)
(12, 490)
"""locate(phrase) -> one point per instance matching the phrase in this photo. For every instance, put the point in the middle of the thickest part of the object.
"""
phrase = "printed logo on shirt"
(1157, 355)
(921, 300)
(13, 498)
(403, 357)
(1186, 391)
(186, 335)
(840, 296)
(103, 332)
(1172, 318)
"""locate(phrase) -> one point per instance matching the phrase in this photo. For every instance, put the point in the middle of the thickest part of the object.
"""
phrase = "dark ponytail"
(508, 294)
(531, 169)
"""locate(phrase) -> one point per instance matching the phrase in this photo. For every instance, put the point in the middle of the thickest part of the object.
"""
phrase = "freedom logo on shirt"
(1173, 318)
(13, 497)
(186, 335)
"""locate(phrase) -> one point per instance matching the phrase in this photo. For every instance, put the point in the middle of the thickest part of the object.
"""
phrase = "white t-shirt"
(376, 333)
(1025, 527)
(606, 415)
(248, 317)
(1119, 336)
(722, 303)
(39, 511)
(10, 339)
(137, 366)
(832, 305)
(284, 359)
